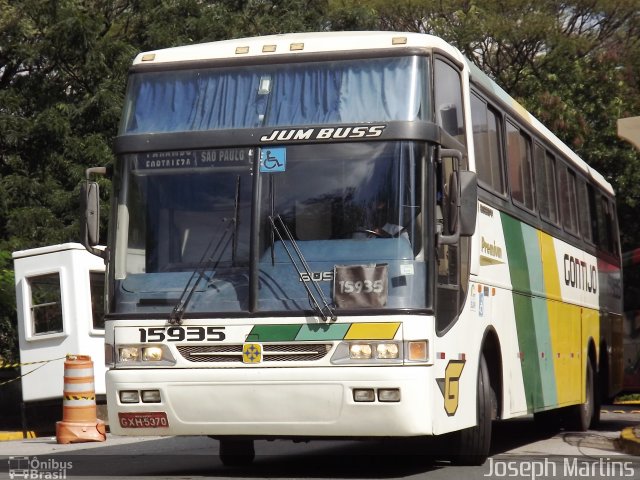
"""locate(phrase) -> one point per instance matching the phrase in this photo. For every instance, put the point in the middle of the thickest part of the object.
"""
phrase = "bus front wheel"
(235, 452)
(471, 445)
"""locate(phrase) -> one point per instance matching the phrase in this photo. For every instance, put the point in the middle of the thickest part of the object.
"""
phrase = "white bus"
(300, 247)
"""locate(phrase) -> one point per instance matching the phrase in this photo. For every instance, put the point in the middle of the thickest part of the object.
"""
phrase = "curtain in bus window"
(380, 94)
(190, 101)
(305, 97)
(300, 94)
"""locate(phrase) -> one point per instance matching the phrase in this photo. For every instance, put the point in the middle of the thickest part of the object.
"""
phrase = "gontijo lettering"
(579, 274)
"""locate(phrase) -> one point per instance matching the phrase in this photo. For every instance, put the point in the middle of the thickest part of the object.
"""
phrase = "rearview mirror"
(90, 224)
(468, 202)
(461, 201)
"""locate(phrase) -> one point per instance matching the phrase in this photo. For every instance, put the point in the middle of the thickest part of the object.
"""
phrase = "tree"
(63, 68)
(64, 63)
(575, 65)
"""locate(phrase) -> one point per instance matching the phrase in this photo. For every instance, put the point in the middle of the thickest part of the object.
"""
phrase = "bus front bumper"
(273, 402)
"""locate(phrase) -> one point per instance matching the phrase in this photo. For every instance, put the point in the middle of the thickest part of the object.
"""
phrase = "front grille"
(284, 352)
(211, 353)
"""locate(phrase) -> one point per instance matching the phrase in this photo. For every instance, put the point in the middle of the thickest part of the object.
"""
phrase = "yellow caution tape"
(15, 365)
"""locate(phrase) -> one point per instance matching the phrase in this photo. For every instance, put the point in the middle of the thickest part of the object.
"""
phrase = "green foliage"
(64, 63)
(8, 321)
(575, 65)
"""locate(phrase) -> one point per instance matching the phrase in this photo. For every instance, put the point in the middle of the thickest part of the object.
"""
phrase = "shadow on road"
(198, 456)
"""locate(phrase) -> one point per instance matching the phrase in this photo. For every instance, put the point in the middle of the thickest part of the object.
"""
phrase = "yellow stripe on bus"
(372, 331)
(564, 328)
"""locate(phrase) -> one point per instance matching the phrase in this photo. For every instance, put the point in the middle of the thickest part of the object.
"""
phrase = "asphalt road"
(520, 450)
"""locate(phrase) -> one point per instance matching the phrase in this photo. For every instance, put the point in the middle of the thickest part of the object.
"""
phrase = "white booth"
(59, 299)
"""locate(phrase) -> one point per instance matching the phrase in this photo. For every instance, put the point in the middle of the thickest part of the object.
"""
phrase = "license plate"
(143, 420)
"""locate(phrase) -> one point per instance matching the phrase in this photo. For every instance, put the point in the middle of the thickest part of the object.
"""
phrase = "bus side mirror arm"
(90, 211)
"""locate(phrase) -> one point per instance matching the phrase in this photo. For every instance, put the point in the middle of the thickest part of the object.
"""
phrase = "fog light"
(129, 396)
(151, 396)
(363, 395)
(152, 354)
(389, 395)
(129, 354)
(387, 350)
(418, 351)
(360, 351)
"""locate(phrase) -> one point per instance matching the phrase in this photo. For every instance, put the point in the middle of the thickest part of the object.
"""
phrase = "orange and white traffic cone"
(79, 417)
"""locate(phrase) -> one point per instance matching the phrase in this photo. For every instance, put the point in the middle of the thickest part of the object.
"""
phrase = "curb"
(629, 440)
(7, 436)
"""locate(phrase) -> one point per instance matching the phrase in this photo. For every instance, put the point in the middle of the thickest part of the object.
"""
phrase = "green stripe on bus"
(540, 313)
(518, 265)
(528, 346)
(532, 321)
(335, 331)
(273, 333)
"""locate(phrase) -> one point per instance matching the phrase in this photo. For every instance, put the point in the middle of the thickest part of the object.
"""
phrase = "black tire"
(471, 445)
(578, 418)
(236, 452)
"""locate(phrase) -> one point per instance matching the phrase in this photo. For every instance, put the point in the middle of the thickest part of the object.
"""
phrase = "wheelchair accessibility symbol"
(273, 159)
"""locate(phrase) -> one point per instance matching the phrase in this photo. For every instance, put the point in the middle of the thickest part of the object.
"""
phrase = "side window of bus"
(519, 163)
(584, 210)
(545, 173)
(448, 96)
(606, 225)
(568, 206)
(615, 231)
(593, 208)
(486, 142)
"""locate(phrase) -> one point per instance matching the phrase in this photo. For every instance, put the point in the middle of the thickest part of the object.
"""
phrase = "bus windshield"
(354, 203)
(336, 92)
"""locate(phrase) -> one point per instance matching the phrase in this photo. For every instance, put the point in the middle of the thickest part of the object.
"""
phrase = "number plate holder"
(360, 286)
(143, 419)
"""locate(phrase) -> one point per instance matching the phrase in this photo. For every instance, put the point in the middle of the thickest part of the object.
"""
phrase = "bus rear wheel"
(579, 417)
(472, 444)
(236, 452)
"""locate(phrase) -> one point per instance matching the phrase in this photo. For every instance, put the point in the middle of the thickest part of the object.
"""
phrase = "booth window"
(46, 304)
(96, 281)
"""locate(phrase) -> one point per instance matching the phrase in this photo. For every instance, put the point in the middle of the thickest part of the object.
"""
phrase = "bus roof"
(321, 42)
(297, 44)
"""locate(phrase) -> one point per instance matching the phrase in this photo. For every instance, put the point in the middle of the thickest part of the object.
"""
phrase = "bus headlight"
(128, 354)
(382, 352)
(360, 351)
(140, 355)
(152, 354)
(368, 351)
(387, 350)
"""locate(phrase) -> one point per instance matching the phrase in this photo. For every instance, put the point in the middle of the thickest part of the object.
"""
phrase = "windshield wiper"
(324, 311)
(208, 258)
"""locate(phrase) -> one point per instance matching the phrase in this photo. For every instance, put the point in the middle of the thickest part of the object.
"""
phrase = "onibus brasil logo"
(36, 469)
